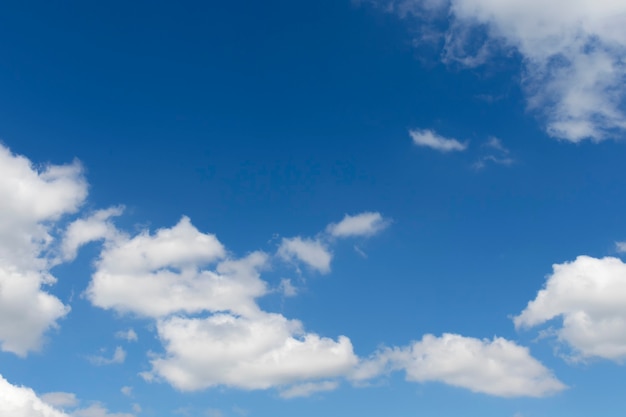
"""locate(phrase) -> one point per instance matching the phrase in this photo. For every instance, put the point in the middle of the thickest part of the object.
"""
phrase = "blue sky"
(382, 207)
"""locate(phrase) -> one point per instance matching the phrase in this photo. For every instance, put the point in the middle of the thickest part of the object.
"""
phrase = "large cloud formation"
(573, 53)
(33, 201)
(207, 317)
(214, 333)
(589, 296)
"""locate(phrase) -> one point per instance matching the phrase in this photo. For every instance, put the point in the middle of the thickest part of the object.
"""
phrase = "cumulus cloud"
(161, 274)
(245, 352)
(311, 252)
(588, 295)
(95, 227)
(573, 54)
(34, 199)
(18, 401)
(496, 367)
(430, 139)
(229, 341)
(363, 224)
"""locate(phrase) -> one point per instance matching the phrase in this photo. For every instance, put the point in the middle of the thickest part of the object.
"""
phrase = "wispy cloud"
(119, 356)
(128, 335)
(573, 54)
(430, 139)
(498, 154)
(363, 224)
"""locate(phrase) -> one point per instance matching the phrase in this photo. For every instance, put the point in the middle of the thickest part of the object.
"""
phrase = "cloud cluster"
(214, 333)
(204, 304)
(207, 317)
(496, 367)
(589, 296)
(34, 200)
(573, 54)
(315, 252)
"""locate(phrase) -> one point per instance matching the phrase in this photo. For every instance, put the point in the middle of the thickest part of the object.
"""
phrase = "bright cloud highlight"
(589, 296)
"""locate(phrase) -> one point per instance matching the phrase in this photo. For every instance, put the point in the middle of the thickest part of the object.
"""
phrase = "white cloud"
(127, 391)
(249, 353)
(60, 399)
(573, 55)
(158, 275)
(33, 201)
(19, 401)
(82, 231)
(23, 402)
(312, 252)
(236, 344)
(620, 247)
(128, 335)
(309, 388)
(496, 367)
(119, 356)
(363, 224)
(430, 139)
(589, 295)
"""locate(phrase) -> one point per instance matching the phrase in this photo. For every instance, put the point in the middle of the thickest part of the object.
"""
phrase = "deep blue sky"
(265, 120)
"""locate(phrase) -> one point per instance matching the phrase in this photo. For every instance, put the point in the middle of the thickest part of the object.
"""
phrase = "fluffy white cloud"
(431, 139)
(573, 54)
(169, 275)
(246, 352)
(496, 367)
(60, 399)
(312, 252)
(161, 274)
(23, 402)
(363, 224)
(589, 295)
(33, 200)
